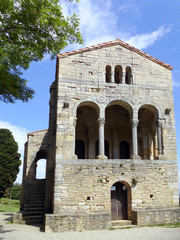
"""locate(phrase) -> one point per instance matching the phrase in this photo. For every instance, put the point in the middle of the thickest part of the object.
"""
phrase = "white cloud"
(99, 23)
(145, 40)
(20, 136)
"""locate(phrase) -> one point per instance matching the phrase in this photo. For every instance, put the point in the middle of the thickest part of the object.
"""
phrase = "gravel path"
(24, 232)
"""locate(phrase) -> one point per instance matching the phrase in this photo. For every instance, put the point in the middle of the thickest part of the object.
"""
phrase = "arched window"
(108, 74)
(124, 150)
(41, 159)
(128, 78)
(41, 169)
(118, 74)
(80, 149)
(106, 145)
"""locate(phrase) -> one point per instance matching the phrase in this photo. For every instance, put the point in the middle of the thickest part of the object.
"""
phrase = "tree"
(29, 29)
(9, 160)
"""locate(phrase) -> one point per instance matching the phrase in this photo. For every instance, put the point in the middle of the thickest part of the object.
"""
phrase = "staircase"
(121, 224)
(34, 207)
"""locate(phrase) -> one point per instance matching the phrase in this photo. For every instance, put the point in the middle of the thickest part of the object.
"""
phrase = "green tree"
(29, 29)
(16, 191)
(9, 160)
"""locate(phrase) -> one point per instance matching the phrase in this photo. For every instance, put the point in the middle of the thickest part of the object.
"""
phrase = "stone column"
(123, 77)
(131, 79)
(101, 139)
(159, 136)
(74, 137)
(134, 139)
(112, 77)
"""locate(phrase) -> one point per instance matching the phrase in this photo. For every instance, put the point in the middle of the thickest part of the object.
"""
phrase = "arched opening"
(106, 146)
(128, 76)
(147, 132)
(118, 128)
(118, 74)
(108, 73)
(41, 160)
(120, 201)
(80, 149)
(41, 169)
(86, 130)
(124, 150)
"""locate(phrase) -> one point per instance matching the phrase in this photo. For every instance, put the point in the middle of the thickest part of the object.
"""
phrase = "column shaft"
(134, 137)
(159, 130)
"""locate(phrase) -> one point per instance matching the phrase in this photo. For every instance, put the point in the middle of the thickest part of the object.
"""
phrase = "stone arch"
(93, 103)
(86, 131)
(121, 207)
(118, 126)
(152, 105)
(148, 116)
(40, 164)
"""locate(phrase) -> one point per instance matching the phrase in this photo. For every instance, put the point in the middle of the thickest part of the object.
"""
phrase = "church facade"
(110, 146)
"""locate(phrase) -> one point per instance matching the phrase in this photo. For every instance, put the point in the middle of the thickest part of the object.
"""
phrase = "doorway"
(124, 150)
(119, 202)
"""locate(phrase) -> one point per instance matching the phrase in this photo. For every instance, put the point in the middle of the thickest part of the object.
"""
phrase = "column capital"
(159, 122)
(135, 122)
(101, 121)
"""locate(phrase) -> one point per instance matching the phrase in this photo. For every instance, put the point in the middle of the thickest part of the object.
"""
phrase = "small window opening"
(118, 74)
(151, 195)
(128, 78)
(108, 74)
(41, 169)
(88, 198)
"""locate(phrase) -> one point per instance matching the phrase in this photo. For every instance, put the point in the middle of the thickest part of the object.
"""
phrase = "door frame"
(128, 199)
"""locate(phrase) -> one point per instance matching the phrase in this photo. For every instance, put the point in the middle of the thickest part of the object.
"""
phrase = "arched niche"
(87, 128)
(118, 127)
(147, 132)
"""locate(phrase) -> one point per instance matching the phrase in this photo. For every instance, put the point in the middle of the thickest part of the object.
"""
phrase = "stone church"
(110, 146)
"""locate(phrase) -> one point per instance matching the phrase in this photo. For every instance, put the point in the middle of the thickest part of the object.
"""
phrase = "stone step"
(32, 214)
(33, 209)
(35, 198)
(120, 223)
(34, 205)
(31, 220)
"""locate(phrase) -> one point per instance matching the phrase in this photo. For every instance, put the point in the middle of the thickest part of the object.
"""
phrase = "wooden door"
(118, 202)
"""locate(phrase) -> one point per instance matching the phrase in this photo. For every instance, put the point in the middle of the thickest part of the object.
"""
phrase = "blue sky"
(150, 25)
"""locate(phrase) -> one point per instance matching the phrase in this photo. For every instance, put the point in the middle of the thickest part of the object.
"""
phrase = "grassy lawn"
(7, 206)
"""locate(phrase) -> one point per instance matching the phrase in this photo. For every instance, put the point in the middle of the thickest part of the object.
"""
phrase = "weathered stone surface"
(111, 126)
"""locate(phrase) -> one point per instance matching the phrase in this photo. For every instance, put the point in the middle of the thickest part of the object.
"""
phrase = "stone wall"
(81, 79)
(84, 185)
(76, 222)
(144, 217)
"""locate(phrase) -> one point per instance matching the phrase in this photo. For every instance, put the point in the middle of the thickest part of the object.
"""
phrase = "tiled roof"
(32, 133)
(113, 43)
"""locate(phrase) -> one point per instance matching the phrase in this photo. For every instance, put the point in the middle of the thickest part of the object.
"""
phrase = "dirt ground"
(24, 232)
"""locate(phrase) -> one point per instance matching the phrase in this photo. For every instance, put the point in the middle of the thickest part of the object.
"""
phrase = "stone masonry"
(111, 144)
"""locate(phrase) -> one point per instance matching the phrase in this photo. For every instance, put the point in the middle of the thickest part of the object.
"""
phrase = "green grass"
(7, 206)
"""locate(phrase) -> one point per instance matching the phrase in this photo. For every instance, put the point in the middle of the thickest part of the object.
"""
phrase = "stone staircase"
(121, 224)
(34, 207)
